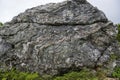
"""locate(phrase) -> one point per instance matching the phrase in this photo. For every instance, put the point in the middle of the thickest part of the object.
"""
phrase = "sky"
(11, 8)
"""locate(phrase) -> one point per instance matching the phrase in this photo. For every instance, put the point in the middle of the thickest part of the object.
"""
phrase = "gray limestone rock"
(58, 37)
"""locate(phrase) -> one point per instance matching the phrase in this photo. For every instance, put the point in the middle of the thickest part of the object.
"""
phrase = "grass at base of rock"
(82, 75)
(85, 74)
(17, 75)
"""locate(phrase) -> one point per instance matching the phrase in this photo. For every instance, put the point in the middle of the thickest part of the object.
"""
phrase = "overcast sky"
(11, 8)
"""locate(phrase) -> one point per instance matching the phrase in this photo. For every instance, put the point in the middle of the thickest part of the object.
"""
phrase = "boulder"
(58, 37)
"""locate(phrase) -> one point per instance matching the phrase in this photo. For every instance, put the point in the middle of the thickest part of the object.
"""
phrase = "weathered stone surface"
(56, 38)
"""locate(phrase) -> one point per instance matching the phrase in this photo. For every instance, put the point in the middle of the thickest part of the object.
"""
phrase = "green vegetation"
(116, 72)
(82, 75)
(85, 74)
(1, 24)
(17, 75)
(113, 57)
(118, 35)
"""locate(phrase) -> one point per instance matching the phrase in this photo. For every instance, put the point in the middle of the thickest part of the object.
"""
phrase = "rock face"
(58, 37)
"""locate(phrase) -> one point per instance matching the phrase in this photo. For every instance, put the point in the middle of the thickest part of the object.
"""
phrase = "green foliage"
(82, 75)
(113, 57)
(17, 75)
(1, 24)
(116, 72)
(118, 35)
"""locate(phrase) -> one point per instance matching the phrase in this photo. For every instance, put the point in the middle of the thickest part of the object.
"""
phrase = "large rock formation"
(58, 37)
